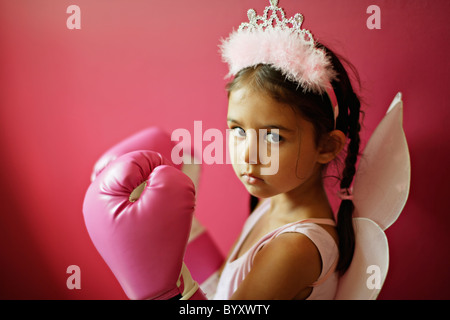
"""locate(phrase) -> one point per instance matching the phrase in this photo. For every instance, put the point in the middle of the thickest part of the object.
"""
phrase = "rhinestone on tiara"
(276, 21)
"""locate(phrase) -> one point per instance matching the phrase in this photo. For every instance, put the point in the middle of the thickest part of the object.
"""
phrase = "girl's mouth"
(251, 179)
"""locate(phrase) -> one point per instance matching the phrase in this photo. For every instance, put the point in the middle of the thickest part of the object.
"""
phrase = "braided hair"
(349, 123)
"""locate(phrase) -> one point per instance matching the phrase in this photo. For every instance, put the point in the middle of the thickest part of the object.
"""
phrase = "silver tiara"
(276, 21)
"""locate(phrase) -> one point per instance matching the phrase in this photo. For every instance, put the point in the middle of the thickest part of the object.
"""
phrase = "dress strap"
(329, 222)
(280, 230)
(326, 276)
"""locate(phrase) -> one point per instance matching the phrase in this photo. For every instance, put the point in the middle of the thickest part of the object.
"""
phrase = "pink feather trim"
(286, 51)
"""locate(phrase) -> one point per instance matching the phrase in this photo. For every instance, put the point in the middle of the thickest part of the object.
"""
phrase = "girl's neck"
(306, 201)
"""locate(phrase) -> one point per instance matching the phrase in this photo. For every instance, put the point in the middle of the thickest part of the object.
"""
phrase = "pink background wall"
(68, 95)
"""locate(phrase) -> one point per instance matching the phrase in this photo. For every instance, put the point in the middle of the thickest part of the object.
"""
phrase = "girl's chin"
(258, 192)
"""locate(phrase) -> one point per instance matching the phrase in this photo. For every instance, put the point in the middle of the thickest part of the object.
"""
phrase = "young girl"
(284, 82)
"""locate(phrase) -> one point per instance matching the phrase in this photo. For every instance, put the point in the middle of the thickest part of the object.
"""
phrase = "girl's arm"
(283, 270)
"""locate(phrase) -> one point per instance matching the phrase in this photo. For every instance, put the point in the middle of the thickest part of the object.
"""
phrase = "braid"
(349, 123)
(345, 213)
(353, 147)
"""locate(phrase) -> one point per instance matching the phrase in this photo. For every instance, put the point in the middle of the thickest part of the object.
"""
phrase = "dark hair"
(317, 109)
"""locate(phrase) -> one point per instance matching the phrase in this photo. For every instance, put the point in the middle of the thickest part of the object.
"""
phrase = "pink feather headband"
(284, 45)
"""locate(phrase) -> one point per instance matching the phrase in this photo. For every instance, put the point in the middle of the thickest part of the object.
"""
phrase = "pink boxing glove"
(152, 138)
(138, 213)
(202, 255)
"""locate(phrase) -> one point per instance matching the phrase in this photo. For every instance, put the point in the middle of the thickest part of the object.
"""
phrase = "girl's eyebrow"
(270, 126)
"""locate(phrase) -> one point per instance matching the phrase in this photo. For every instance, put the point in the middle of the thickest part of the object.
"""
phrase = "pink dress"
(235, 270)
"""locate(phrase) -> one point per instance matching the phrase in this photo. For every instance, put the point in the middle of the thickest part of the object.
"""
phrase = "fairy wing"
(367, 272)
(381, 185)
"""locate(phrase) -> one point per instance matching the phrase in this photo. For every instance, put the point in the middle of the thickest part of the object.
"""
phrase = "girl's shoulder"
(276, 266)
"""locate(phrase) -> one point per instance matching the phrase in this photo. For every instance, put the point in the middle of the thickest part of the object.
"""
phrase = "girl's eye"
(273, 137)
(238, 132)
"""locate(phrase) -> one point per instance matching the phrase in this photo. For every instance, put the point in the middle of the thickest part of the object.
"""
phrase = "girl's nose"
(251, 147)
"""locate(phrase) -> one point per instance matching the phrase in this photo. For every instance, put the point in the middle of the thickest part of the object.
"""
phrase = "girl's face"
(299, 159)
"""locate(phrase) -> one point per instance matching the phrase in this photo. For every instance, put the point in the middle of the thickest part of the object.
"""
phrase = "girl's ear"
(331, 145)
